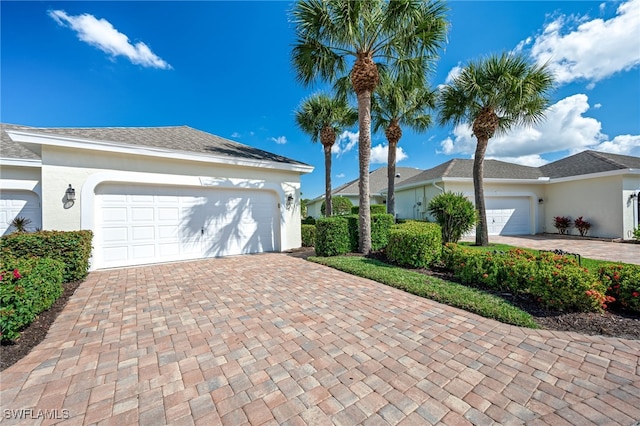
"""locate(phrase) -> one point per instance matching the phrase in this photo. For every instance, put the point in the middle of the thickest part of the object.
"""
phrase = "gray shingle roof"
(178, 138)
(463, 168)
(377, 181)
(588, 162)
(11, 149)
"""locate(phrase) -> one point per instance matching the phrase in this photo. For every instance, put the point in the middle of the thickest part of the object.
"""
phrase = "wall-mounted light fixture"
(289, 201)
(70, 194)
(540, 200)
(69, 198)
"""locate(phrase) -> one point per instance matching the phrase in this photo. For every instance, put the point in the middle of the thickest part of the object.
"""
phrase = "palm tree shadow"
(235, 221)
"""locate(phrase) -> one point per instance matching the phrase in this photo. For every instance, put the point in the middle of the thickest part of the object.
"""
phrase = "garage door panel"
(116, 235)
(19, 203)
(508, 215)
(114, 214)
(175, 223)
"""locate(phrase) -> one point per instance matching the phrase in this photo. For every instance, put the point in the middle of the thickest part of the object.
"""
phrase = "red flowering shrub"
(553, 280)
(623, 284)
(562, 223)
(582, 226)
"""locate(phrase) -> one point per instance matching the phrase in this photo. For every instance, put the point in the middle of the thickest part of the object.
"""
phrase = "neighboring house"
(151, 194)
(520, 200)
(377, 183)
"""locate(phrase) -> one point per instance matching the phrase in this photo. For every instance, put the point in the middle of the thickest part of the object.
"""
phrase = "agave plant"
(20, 224)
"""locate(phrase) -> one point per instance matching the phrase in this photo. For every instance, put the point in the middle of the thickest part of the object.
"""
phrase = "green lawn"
(449, 293)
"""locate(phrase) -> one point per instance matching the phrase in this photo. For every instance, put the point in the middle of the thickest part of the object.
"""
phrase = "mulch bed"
(612, 324)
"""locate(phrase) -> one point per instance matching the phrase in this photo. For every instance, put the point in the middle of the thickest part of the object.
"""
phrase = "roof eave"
(34, 140)
(610, 173)
(20, 162)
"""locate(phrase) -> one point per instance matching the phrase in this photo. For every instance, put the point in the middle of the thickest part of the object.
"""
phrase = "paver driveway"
(270, 339)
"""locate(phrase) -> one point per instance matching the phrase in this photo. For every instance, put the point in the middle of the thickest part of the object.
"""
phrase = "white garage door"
(24, 204)
(508, 215)
(145, 224)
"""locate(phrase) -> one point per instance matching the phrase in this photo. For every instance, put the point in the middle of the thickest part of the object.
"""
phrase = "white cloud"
(101, 34)
(340, 175)
(280, 140)
(579, 48)
(565, 128)
(453, 73)
(379, 154)
(345, 142)
(235, 135)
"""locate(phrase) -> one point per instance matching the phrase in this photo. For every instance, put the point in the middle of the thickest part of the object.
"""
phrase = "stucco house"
(377, 184)
(150, 194)
(521, 200)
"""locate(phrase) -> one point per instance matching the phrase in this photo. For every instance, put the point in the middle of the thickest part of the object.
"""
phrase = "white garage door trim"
(19, 203)
(508, 215)
(88, 196)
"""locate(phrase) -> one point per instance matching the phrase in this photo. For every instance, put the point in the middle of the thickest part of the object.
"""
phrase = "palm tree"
(403, 35)
(399, 102)
(494, 95)
(323, 117)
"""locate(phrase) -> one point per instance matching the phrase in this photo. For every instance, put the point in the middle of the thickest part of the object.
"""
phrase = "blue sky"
(225, 68)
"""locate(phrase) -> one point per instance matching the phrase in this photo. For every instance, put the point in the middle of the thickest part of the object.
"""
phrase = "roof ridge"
(449, 167)
(611, 161)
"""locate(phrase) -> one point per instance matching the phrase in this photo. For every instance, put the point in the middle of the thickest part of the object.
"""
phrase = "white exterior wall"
(598, 200)
(630, 210)
(86, 169)
(412, 203)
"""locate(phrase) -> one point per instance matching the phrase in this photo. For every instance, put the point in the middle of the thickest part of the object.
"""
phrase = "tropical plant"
(582, 226)
(323, 117)
(455, 214)
(399, 102)
(403, 36)
(20, 224)
(494, 95)
(562, 223)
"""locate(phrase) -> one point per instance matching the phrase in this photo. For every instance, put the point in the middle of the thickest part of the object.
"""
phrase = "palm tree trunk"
(482, 233)
(327, 181)
(391, 179)
(364, 154)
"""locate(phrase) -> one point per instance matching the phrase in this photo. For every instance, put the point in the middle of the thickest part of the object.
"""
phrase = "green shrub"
(73, 248)
(636, 233)
(623, 284)
(309, 220)
(332, 236)
(28, 287)
(553, 280)
(308, 235)
(381, 224)
(415, 244)
(373, 208)
(339, 205)
(455, 214)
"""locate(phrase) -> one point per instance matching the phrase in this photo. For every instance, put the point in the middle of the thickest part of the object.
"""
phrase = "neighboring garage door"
(24, 204)
(137, 224)
(508, 215)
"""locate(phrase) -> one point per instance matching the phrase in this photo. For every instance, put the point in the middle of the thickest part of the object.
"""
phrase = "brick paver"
(270, 339)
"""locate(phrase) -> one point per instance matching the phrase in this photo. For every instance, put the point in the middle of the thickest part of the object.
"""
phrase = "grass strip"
(449, 293)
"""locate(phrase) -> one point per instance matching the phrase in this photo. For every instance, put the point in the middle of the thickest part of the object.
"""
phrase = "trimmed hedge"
(415, 244)
(28, 287)
(553, 280)
(308, 235)
(332, 236)
(333, 240)
(73, 248)
(309, 220)
(623, 284)
(373, 208)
